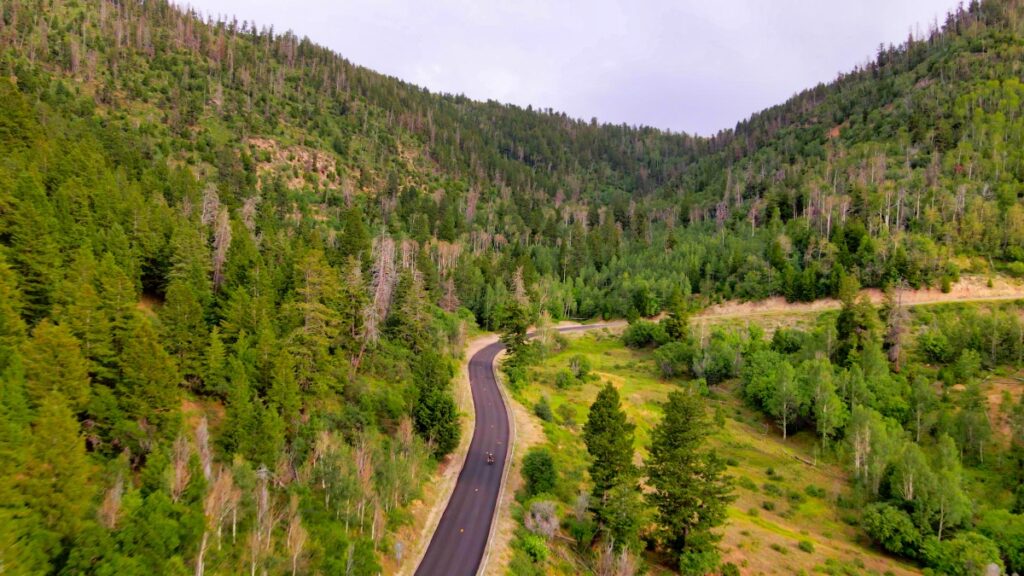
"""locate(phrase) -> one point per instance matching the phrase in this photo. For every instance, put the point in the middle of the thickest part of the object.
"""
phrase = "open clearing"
(767, 469)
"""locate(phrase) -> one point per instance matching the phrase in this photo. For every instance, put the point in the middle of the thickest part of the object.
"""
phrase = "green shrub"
(947, 285)
(719, 360)
(966, 554)
(768, 505)
(968, 365)
(579, 365)
(642, 333)
(787, 340)
(892, 529)
(934, 346)
(564, 379)
(747, 483)
(674, 359)
(583, 532)
(539, 472)
(567, 415)
(696, 561)
(534, 546)
(543, 409)
(806, 546)
(815, 491)
(515, 375)
(1015, 269)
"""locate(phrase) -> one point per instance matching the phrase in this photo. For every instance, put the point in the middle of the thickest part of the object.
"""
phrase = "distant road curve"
(460, 541)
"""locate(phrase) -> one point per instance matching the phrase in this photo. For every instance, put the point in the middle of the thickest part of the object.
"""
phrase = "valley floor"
(758, 540)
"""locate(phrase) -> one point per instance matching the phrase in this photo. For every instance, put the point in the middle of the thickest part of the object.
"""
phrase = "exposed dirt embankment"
(970, 288)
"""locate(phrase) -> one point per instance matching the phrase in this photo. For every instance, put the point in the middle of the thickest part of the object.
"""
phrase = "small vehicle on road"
(490, 457)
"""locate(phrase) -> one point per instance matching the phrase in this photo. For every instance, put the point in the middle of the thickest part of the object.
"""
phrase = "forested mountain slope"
(233, 265)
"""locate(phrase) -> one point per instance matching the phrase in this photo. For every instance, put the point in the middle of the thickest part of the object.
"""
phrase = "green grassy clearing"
(802, 496)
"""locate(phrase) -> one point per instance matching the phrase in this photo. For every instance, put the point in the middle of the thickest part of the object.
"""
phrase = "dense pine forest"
(236, 270)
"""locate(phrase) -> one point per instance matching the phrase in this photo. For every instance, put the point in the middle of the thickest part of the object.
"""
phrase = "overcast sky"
(688, 65)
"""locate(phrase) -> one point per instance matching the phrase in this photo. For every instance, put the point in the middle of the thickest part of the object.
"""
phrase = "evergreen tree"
(677, 325)
(34, 250)
(54, 364)
(80, 308)
(184, 329)
(689, 487)
(284, 395)
(57, 480)
(355, 238)
(148, 387)
(215, 365)
(12, 327)
(609, 439)
(436, 415)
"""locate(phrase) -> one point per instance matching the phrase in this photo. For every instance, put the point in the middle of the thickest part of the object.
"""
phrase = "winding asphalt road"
(460, 540)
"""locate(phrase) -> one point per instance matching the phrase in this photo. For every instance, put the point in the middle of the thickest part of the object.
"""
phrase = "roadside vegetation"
(903, 457)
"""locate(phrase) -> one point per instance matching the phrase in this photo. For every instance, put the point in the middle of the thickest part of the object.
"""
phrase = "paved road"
(460, 539)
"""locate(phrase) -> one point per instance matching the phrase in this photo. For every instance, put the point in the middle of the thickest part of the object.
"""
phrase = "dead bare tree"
(180, 473)
(612, 563)
(111, 506)
(203, 447)
(896, 325)
(211, 205)
(221, 500)
(381, 292)
(296, 539)
(221, 243)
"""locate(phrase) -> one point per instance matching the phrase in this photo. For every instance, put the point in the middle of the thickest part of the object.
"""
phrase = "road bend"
(460, 540)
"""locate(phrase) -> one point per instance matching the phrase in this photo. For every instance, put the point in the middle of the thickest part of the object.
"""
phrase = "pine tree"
(409, 322)
(148, 388)
(79, 307)
(690, 489)
(54, 364)
(355, 238)
(240, 425)
(352, 301)
(35, 252)
(12, 327)
(215, 364)
(436, 416)
(284, 395)
(191, 261)
(314, 315)
(118, 296)
(677, 325)
(184, 329)
(57, 473)
(609, 439)
(25, 544)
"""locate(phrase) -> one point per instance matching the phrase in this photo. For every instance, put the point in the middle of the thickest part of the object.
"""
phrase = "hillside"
(913, 465)
(883, 173)
(236, 269)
